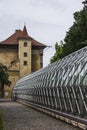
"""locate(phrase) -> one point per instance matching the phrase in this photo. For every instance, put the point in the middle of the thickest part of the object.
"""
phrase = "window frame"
(25, 63)
(25, 54)
(25, 44)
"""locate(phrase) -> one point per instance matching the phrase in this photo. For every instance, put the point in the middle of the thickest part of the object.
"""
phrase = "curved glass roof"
(62, 84)
(69, 71)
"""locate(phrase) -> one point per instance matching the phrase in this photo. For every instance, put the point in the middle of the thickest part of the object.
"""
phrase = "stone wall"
(7, 56)
(35, 60)
(14, 58)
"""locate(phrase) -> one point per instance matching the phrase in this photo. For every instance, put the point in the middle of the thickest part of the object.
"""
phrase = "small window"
(25, 63)
(25, 54)
(25, 44)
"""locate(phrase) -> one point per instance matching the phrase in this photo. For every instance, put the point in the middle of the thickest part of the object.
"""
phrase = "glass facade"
(61, 85)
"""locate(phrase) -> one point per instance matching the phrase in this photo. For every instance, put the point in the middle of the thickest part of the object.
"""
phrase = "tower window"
(25, 54)
(25, 44)
(25, 63)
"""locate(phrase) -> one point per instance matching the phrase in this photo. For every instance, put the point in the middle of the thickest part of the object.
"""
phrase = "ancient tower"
(22, 55)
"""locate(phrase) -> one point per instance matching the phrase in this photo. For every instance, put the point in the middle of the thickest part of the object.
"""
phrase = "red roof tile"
(13, 39)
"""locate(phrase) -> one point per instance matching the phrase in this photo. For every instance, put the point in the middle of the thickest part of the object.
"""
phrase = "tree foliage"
(4, 77)
(58, 52)
(76, 37)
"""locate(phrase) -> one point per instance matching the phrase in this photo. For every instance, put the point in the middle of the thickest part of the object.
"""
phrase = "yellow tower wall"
(7, 56)
(13, 77)
(35, 60)
(24, 69)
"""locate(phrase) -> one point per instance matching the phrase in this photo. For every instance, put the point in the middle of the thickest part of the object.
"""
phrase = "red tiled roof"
(13, 39)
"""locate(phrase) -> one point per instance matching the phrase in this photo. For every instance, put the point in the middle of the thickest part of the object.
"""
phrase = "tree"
(76, 37)
(58, 53)
(4, 78)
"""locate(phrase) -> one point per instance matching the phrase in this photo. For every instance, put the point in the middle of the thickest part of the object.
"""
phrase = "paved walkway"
(4, 100)
(19, 117)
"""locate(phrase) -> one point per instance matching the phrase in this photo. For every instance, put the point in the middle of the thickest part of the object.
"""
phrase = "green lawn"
(1, 123)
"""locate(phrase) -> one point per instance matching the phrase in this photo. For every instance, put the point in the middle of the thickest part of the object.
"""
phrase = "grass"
(1, 123)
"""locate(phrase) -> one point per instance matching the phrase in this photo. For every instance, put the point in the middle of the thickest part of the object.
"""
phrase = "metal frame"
(61, 85)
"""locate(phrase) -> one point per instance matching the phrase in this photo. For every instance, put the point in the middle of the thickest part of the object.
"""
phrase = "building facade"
(22, 55)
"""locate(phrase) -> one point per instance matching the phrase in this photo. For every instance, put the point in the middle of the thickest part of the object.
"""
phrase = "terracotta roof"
(25, 33)
(13, 39)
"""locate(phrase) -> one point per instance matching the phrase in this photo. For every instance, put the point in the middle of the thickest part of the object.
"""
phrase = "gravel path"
(19, 117)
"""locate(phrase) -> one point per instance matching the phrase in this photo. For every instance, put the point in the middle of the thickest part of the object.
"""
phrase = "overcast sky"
(47, 20)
